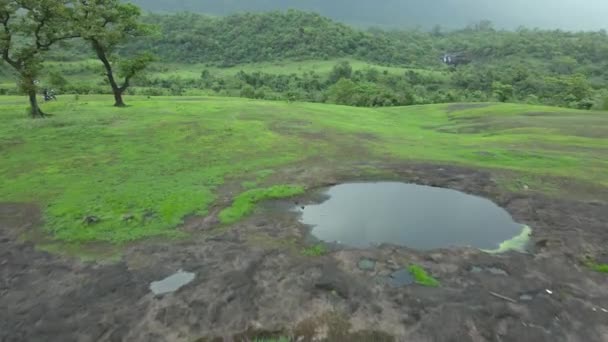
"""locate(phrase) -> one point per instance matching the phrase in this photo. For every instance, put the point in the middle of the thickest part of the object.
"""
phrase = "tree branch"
(126, 83)
(6, 17)
(40, 45)
(37, 33)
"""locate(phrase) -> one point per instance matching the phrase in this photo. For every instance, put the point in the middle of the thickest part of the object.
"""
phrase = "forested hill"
(563, 14)
(245, 38)
(527, 65)
(559, 67)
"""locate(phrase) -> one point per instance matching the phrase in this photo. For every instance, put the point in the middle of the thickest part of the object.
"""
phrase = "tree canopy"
(550, 67)
(29, 28)
(106, 24)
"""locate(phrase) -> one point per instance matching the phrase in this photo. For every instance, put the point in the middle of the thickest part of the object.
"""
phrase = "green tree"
(342, 92)
(248, 91)
(340, 71)
(28, 29)
(106, 24)
(503, 92)
(57, 80)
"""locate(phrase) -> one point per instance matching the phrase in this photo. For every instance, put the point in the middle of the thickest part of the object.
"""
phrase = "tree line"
(551, 67)
(30, 28)
(377, 86)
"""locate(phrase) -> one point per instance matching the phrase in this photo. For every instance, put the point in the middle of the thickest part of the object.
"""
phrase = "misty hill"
(527, 65)
(564, 14)
(259, 37)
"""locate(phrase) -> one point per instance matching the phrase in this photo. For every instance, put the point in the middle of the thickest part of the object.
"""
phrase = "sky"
(552, 14)
(568, 14)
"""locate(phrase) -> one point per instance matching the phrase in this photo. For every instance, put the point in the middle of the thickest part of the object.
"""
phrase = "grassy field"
(140, 170)
(89, 71)
(280, 68)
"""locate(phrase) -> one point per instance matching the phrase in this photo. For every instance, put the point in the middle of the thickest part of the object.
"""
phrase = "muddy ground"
(253, 282)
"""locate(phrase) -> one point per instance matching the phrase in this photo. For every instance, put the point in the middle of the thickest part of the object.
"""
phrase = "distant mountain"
(564, 14)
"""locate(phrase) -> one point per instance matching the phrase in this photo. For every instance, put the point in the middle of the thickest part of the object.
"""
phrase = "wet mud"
(253, 282)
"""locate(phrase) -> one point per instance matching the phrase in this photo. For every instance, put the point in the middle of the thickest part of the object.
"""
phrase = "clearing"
(111, 200)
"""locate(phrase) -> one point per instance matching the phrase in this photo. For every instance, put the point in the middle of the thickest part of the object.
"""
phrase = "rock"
(149, 215)
(491, 270)
(497, 271)
(476, 269)
(90, 220)
(526, 298)
(128, 217)
(542, 243)
(333, 281)
(435, 257)
(367, 265)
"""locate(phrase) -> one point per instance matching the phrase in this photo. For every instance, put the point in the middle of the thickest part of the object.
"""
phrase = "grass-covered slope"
(140, 170)
(84, 74)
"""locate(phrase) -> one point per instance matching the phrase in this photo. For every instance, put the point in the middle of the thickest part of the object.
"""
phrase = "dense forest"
(564, 14)
(550, 67)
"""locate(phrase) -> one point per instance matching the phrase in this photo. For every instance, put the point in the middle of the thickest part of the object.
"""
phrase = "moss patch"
(597, 267)
(517, 243)
(602, 268)
(315, 251)
(245, 203)
(422, 277)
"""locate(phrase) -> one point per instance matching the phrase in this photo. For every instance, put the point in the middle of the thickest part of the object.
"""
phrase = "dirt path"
(250, 283)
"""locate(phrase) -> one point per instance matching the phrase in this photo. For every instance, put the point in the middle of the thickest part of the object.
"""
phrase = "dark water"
(400, 278)
(421, 217)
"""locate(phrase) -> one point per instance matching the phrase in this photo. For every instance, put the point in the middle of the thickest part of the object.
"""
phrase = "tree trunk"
(35, 110)
(101, 54)
(118, 101)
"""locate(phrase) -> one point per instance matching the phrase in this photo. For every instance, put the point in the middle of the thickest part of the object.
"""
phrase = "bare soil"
(252, 280)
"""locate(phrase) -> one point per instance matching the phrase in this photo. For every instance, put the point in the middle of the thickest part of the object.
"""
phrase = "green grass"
(164, 158)
(422, 277)
(602, 268)
(245, 203)
(597, 267)
(315, 251)
(84, 71)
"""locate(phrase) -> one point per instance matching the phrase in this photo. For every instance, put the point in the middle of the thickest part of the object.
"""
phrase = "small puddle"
(400, 278)
(420, 217)
(172, 283)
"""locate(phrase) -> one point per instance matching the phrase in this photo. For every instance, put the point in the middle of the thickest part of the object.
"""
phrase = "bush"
(248, 91)
(56, 80)
(342, 70)
(601, 102)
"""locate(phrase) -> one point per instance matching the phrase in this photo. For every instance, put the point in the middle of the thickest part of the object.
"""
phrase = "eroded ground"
(253, 281)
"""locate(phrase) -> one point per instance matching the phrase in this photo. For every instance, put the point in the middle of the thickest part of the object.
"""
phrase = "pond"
(419, 217)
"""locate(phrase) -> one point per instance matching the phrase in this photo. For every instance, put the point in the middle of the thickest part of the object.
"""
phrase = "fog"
(562, 14)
